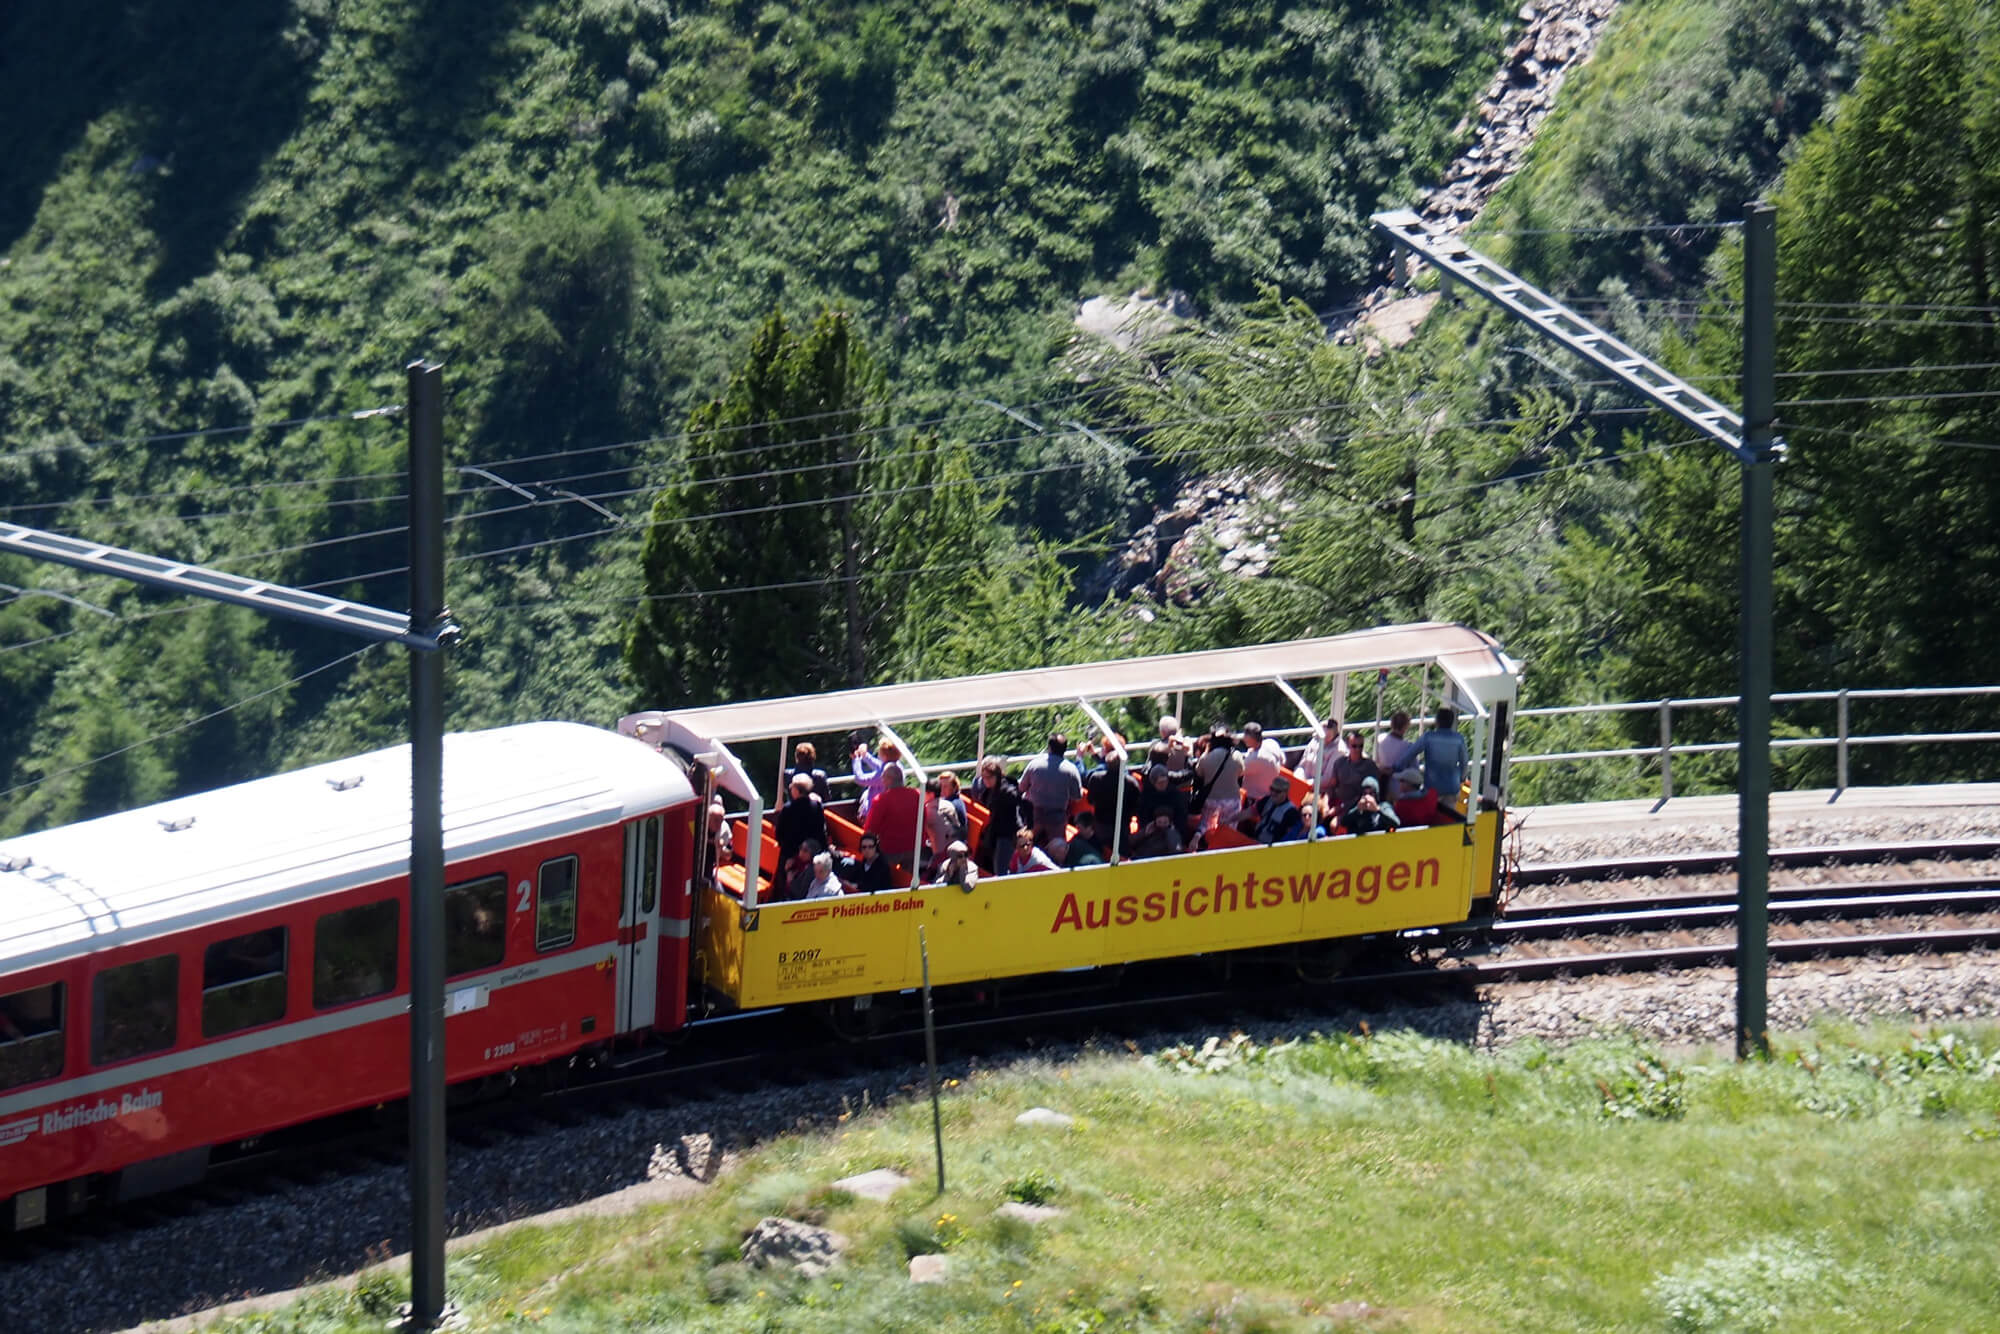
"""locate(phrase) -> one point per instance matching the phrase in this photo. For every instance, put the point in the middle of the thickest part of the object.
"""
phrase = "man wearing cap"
(1368, 815)
(957, 868)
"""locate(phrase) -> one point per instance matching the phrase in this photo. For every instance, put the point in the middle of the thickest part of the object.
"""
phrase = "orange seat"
(976, 818)
(1301, 789)
(1224, 836)
(846, 834)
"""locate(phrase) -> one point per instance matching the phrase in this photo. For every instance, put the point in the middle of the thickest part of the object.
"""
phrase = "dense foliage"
(622, 226)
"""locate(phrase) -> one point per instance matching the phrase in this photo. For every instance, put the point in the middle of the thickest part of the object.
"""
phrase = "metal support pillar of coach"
(1750, 440)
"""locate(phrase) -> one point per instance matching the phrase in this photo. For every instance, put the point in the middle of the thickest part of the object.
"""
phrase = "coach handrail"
(1842, 740)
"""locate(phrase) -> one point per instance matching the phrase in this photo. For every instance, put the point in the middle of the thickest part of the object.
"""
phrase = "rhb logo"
(808, 915)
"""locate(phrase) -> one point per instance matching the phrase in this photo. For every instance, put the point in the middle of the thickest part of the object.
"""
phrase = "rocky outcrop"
(1560, 35)
(1173, 558)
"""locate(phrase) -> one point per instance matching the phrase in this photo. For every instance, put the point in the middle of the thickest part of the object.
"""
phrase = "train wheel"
(1319, 962)
(860, 1018)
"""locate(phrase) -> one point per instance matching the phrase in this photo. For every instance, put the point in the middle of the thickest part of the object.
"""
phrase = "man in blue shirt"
(1444, 756)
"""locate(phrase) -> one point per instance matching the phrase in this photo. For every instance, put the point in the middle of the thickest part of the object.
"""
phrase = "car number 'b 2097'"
(797, 956)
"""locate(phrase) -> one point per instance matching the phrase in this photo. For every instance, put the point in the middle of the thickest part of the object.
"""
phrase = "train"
(178, 981)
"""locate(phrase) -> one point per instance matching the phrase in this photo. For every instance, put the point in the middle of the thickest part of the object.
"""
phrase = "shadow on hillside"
(212, 87)
(447, 66)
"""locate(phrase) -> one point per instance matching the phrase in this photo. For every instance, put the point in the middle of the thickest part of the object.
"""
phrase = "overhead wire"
(170, 437)
(191, 723)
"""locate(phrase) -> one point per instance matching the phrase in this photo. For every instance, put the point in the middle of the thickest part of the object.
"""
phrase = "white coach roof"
(1465, 654)
(278, 840)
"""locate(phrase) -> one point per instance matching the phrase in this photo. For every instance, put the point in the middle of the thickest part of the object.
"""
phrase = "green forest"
(762, 371)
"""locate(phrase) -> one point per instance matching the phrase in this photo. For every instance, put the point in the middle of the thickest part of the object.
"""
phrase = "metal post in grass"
(1749, 437)
(1753, 729)
(930, 1056)
(425, 418)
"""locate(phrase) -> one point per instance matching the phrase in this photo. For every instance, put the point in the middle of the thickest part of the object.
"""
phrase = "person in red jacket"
(894, 815)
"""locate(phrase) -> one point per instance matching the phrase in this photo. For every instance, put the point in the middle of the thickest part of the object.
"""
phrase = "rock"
(1043, 1116)
(877, 1185)
(691, 1156)
(929, 1268)
(1127, 323)
(1031, 1214)
(785, 1243)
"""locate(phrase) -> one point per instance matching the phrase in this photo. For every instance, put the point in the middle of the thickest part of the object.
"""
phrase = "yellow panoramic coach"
(751, 952)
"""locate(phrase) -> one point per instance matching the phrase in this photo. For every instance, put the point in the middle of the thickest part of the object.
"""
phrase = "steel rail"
(1711, 861)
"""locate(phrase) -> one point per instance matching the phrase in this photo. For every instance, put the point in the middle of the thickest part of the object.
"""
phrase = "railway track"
(1724, 860)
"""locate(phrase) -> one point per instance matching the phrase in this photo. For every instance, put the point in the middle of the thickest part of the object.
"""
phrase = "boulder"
(1043, 1117)
(784, 1243)
(877, 1185)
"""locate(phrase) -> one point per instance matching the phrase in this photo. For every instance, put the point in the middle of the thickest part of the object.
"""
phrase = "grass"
(1847, 1184)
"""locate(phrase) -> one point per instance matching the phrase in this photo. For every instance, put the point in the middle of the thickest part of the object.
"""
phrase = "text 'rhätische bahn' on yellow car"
(179, 980)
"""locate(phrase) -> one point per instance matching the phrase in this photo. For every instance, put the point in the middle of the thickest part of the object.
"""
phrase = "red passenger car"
(194, 974)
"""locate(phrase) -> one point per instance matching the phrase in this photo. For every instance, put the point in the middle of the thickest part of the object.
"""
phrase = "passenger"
(1028, 858)
(1087, 841)
(1079, 851)
(1444, 755)
(1160, 799)
(893, 816)
(1262, 758)
(721, 848)
(1105, 785)
(1313, 819)
(1087, 762)
(795, 874)
(1316, 765)
(1350, 770)
(956, 868)
(1396, 757)
(1159, 836)
(1179, 759)
(1218, 775)
(800, 819)
(1368, 815)
(868, 873)
(870, 772)
(1278, 820)
(944, 818)
(824, 883)
(1050, 785)
(996, 792)
(805, 760)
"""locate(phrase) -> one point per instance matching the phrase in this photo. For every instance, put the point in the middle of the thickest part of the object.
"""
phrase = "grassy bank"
(1386, 1182)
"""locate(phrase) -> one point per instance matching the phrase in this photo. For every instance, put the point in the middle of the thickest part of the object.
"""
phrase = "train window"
(354, 953)
(243, 982)
(134, 1009)
(649, 864)
(475, 925)
(31, 1035)
(555, 904)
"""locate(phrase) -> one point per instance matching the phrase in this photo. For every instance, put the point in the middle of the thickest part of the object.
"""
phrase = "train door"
(639, 927)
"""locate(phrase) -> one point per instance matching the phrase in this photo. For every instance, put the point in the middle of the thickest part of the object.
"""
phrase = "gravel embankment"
(303, 1233)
